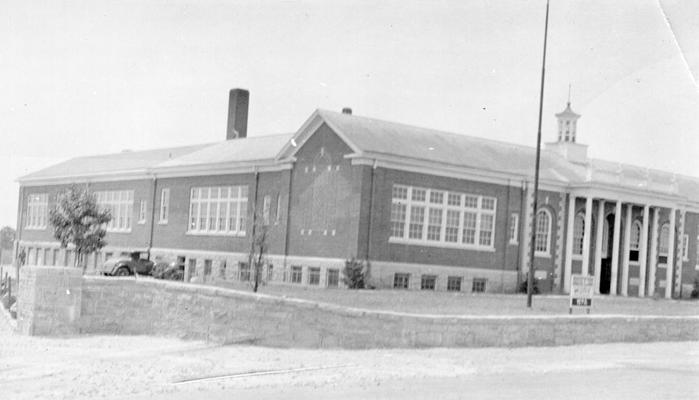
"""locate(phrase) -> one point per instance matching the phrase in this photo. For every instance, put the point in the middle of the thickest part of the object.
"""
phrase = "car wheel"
(122, 271)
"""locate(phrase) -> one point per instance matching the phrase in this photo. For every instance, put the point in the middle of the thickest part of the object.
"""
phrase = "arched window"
(635, 241)
(635, 235)
(664, 242)
(605, 239)
(543, 232)
(578, 231)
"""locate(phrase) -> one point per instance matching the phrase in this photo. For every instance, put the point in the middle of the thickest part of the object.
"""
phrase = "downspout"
(506, 239)
(254, 223)
(152, 216)
(288, 223)
(371, 206)
(522, 223)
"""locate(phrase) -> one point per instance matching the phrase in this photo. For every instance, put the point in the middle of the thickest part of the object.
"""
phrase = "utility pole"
(532, 249)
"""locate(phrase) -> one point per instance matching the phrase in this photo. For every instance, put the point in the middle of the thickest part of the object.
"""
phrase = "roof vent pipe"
(347, 111)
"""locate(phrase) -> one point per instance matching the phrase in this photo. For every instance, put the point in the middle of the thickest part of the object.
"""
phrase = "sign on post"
(582, 288)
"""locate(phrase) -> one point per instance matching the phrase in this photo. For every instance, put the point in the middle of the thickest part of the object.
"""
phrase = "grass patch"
(429, 302)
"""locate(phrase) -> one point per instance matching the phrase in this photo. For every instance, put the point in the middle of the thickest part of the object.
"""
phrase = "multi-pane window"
(635, 241)
(164, 205)
(439, 217)
(454, 283)
(478, 285)
(333, 277)
(543, 232)
(664, 242)
(314, 276)
(513, 228)
(120, 204)
(296, 274)
(142, 212)
(401, 281)
(578, 232)
(427, 282)
(266, 209)
(685, 247)
(37, 211)
(218, 210)
(270, 272)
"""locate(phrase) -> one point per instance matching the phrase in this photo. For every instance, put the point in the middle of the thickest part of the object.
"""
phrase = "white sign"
(582, 288)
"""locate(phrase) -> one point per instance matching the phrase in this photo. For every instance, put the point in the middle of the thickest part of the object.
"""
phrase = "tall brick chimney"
(238, 100)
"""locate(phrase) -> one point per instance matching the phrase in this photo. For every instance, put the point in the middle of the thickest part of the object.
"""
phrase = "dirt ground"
(140, 367)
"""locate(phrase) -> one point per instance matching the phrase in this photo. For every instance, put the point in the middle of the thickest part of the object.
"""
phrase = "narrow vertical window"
(543, 232)
(578, 230)
(142, 212)
(278, 214)
(513, 228)
(164, 205)
(685, 247)
(266, 209)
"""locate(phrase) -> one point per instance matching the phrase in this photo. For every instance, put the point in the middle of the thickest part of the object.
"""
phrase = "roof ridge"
(462, 135)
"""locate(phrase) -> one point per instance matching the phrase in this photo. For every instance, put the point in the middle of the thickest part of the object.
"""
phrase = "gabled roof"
(377, 137)
(124, 162)
(231, 151)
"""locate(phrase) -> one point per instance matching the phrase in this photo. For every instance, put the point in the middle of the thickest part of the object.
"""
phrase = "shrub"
(695, 290)
(523, 286)
(167, 271)
(356, 273)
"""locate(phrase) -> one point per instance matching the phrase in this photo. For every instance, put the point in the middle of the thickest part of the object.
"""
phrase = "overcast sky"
(91, 77)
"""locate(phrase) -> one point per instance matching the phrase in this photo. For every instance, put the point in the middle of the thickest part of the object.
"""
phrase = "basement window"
(296, 274)
(478, 285)
(244, 271)
(427, 282)
(401, 281)
(314, 276)
(454, 284)
(333, 278)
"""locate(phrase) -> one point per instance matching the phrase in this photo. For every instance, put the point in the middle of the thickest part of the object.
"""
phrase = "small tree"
(7, 239)
(259, 252)
(77, 220)
(356, 273)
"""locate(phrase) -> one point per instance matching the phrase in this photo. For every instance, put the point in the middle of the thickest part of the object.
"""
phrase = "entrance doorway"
(605, 278)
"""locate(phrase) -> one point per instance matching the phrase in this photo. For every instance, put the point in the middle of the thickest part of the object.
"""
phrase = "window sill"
(513, 243)
(444, 245)
(162, 222)
(35, 228)
(118, 230)
(542, 255)
(190, 233)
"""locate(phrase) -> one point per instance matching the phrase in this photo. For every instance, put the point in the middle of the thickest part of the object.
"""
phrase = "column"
(587, 233)
(613, 284)
(680, 255)
(670, 256)
(653, 259)
(569, 244)
(598, 244)
(642, 257)
(625, 253)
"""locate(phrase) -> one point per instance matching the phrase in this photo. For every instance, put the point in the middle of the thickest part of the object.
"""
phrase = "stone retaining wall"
(148, 306)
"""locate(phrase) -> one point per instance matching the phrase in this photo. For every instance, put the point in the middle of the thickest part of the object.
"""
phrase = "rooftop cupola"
(566, 144)
(567, 124)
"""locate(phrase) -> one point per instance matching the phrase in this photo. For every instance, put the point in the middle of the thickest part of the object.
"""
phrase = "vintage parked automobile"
(127, 265)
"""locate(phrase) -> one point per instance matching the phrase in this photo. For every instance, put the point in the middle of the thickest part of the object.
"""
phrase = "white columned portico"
(598, 244)
(568, 268)
(642, 258)
(587, 232)
(625, 253)
(653, 259)
(613, 282)
(670, 255)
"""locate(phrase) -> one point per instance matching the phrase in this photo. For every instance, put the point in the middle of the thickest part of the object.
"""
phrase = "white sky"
(97, 76)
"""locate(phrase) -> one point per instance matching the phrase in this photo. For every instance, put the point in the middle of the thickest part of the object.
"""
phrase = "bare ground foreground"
(140, 367)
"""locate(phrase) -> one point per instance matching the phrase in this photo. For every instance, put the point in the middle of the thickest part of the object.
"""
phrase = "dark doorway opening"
(605, 278)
